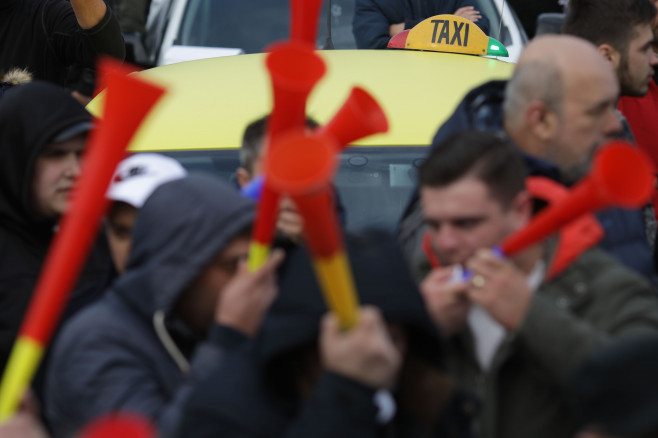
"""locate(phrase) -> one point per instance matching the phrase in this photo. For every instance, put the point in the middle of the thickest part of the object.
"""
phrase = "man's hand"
(23, 425)
(500, 287)
(364, 353)
(446, 301)
(247, 297)
(290, 222)
(469, 13)
(395, 29)
(89, 12)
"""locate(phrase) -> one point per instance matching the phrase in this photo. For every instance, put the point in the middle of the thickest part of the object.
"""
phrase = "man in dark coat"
(183, 304)
(42, 136)
(47, 37)
(615, 391)
(306, 378)
(547, 111)
(376, 21)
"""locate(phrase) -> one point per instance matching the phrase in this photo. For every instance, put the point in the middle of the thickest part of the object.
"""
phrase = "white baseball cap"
(139, 175)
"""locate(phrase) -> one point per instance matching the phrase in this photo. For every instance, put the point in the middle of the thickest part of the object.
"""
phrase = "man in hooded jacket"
(42, 135)
(184, 303)
(298, 379)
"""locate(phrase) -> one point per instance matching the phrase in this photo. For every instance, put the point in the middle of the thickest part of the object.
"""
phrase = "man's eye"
(121, 232)
(467, 223)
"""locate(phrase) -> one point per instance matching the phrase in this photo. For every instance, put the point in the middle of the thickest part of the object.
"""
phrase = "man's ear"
(522, 208)
(611, 54)
(542, 121)
(243, 176)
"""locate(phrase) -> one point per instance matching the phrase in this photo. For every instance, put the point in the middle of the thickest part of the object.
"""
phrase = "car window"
(254, 24)
(374, 183)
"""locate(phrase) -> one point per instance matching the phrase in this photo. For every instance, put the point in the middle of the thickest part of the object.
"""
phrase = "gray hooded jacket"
(129, 352)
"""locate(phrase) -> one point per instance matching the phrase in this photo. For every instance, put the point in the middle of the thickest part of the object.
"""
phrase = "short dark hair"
(608, 21)
(483, 155)
(252, 140)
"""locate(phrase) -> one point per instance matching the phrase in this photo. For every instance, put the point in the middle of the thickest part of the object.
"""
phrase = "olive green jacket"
(524, 393)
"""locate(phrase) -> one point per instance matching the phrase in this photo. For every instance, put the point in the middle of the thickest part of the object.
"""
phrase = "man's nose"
(611, 124)
(653, 60)
(446, 239)
(73, 165)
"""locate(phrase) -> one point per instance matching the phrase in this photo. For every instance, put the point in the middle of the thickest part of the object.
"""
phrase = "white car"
(184, 30)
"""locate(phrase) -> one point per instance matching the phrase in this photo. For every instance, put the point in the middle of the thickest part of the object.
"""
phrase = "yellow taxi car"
(209, 102)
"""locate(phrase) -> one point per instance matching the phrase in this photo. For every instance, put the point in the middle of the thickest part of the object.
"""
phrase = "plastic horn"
(360, 116)
(118, 425)
(621, 176)
(263, 232)
(304, 18)
(294, 70)
(302, 167)
(429, 252)
(128, 101)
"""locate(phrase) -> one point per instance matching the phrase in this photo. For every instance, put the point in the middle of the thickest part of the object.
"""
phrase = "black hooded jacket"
(44, 37)
(253, 395)
(129, 351)
(30, 116)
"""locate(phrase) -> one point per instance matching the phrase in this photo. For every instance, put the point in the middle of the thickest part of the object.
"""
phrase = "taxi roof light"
(496, 48)
(448, 33)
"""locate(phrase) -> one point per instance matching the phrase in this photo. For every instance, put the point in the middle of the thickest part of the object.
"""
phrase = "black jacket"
(372, 18)
(254, 393)
(30, 115)
(481, 109)
(129, 351)
(44, 37)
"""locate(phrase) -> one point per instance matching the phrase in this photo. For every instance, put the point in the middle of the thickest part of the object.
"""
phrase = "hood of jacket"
(382, 279)
(178, 232)
(6, 5)
(482, 110)
(31, 115)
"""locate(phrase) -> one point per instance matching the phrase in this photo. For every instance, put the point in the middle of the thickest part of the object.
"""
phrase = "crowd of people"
(453, 340)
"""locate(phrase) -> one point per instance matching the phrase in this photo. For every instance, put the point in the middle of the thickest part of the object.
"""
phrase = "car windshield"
(374, 183)
(252, 25)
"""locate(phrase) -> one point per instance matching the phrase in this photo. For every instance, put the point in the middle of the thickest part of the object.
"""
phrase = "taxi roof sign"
(448, 33)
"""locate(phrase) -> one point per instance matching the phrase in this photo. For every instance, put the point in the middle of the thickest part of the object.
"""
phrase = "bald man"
(557, 109)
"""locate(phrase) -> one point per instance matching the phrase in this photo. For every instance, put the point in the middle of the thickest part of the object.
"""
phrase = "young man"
(185, 302)
(135, 179)
(557, 109)
(290, 224)
(513, 335)
(42, 138)
(621, 31)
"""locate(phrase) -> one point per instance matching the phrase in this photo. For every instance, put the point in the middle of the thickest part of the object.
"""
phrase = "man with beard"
(557, 109)
(622, 33)
(641, 113)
